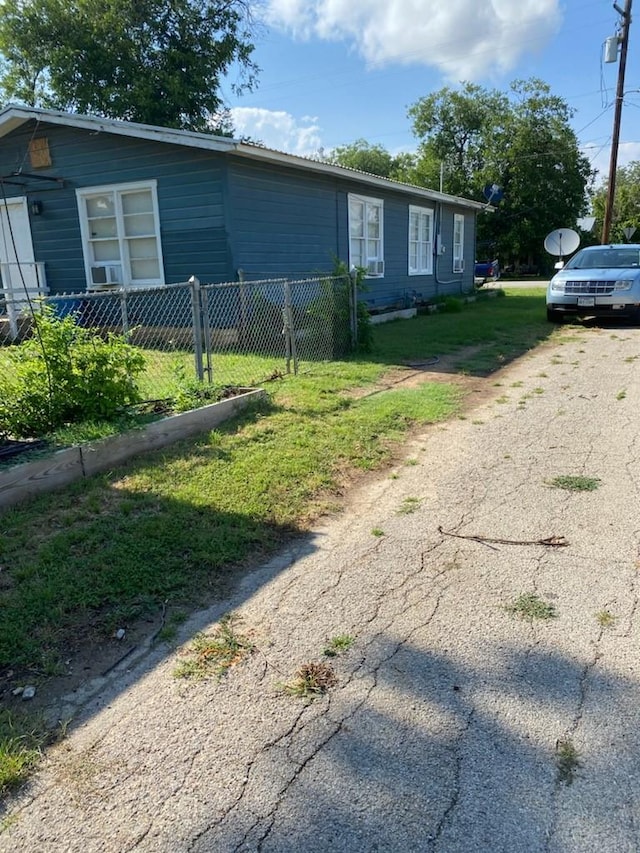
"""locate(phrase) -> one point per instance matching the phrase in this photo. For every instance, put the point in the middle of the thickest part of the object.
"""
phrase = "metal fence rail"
(232, 334)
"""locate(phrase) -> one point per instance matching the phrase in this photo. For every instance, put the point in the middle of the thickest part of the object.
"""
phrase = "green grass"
(175, 528)
(177, 525)
(22, 739)
(488, 323)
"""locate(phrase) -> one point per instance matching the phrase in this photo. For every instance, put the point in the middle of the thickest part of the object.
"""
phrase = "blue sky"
(336, 70)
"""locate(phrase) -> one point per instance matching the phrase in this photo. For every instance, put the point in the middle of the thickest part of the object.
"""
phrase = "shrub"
(66, 374)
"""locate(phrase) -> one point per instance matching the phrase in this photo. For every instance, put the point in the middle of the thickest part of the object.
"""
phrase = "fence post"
(124, 313)
(197, 326)
(353, 307)
(206, 328)
(290, 334)
(242, 319)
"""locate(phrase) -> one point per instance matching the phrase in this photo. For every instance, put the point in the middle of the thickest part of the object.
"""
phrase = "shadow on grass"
(129, 550)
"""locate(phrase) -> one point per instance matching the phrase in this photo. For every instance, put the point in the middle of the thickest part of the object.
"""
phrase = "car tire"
(554, 316)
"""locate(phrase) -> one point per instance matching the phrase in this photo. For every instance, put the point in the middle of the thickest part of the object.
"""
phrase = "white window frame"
(423, 246)
(122, 268)
(371, 254)
(458, 242)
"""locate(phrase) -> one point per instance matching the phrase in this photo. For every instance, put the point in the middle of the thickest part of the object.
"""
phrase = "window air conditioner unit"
(107, 274)
(375, 268)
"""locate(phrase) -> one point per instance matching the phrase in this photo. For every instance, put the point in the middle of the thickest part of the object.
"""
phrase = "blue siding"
(190, 199)
(220, 213)
(283, 221)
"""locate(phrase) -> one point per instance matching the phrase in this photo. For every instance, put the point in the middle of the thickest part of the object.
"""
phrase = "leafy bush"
(66, 374)
(449, 304)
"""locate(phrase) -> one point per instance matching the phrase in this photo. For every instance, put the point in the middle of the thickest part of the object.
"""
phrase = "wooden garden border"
(65, 466)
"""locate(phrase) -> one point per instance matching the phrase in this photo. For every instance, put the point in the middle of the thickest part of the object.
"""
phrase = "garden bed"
(62, 467)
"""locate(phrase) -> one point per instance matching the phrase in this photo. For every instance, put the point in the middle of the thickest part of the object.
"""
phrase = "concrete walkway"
(454, 725)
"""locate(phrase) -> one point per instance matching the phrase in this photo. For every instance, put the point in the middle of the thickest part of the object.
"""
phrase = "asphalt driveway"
(454, 723)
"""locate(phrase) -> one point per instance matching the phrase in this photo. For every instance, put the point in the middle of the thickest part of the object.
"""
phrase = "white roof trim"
(256, 152)
(13, 116)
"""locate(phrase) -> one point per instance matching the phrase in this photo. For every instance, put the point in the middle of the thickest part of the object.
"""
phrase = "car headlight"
(557, 286)
(623, 284)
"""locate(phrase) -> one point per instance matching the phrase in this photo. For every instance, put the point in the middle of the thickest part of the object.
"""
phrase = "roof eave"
(258, 153)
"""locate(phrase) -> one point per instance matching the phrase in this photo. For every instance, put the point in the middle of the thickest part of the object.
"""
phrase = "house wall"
(221, 213)
(287, 222)
(190, 185)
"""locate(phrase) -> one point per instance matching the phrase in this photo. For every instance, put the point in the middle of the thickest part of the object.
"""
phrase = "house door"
(19, 273)
(18, 269)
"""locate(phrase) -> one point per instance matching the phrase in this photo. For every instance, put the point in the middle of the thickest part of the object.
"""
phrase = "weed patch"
(567, 760)
(408, 506)
(575, 483)
(339, 644)
(530, 606)
(215, 653)
(311, 681)
(605, 619)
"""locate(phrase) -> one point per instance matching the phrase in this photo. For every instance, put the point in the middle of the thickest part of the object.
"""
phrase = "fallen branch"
(550, 541)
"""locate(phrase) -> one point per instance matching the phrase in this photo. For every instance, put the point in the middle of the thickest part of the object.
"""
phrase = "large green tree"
(523, 142)
(626, 205)
(373, 159)
(151, 61)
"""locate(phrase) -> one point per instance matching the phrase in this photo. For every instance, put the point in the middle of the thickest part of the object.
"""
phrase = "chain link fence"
(236, 334)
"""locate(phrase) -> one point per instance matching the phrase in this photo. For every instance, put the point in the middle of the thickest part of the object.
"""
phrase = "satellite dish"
(561, 242)
(493, 193)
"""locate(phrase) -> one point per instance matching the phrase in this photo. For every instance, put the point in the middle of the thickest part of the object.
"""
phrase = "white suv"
(599, 281)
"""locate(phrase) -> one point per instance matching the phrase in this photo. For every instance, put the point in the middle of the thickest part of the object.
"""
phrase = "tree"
(456, 129)
(523, 142)
(626, 205)
(373, 159)
(151, 61)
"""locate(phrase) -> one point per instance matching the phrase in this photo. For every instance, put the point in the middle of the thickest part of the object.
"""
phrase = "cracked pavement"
(442, 732)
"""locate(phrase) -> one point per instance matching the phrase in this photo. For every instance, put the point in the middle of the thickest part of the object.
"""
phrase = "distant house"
(93, 203)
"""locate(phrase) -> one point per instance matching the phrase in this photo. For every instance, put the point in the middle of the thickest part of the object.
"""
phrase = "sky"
(333, 71)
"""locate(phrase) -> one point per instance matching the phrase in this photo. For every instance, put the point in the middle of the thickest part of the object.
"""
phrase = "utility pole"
(623, 40)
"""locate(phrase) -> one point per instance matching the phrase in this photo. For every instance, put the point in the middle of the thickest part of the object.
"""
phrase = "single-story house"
(92, 203)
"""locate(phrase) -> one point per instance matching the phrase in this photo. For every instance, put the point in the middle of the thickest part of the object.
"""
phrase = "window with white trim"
(458, 242)
(366, 243)
(120, 229)
(420, 241)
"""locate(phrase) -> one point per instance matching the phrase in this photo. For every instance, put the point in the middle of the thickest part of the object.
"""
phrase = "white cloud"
(464, 39)
(278, 129)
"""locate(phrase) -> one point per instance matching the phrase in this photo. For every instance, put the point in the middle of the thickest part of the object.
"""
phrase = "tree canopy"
(523, 142)
(151, 61)
(626, 205)
(374, 159)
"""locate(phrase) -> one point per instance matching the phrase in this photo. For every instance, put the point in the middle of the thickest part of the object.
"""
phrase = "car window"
(605, 259)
